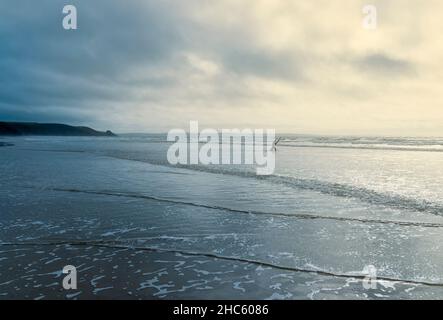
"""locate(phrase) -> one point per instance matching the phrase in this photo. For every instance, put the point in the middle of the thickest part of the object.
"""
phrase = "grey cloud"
(42, 64)
(264, 63)
(383, 64)
(123, 52)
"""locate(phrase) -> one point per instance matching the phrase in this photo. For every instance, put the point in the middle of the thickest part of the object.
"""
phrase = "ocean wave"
(396, 141)
(330, 188)
(437, 148)
(121, 244)
(254, 212)
(363, 194)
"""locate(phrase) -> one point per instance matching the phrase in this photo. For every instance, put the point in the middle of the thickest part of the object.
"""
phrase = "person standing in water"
(274, 144)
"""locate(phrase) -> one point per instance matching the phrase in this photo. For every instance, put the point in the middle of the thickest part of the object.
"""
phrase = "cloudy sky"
(296, 66)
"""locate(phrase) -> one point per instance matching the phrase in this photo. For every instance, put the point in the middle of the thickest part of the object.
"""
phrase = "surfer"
(274, 144)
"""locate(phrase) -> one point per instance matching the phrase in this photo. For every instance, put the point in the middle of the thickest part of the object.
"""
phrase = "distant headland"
(48, 129)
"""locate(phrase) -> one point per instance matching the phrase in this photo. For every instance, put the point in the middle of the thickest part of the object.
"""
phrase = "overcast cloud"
(297, 66)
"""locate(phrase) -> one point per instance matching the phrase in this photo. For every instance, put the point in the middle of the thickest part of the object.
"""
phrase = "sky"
(295, 66)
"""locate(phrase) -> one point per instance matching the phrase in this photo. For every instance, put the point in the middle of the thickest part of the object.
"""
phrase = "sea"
(340, 218)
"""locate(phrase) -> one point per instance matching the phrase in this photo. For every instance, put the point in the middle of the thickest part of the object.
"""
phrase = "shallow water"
(137, 227)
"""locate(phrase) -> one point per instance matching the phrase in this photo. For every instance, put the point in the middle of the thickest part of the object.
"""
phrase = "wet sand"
(35, 272)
